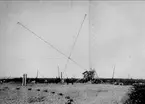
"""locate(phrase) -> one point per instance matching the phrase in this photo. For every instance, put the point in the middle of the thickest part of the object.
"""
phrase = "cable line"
(49, 44)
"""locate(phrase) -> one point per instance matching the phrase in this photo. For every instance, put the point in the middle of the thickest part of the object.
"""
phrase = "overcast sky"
(117, 37)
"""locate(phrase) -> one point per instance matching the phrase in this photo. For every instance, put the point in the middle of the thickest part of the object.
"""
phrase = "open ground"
(78, 93)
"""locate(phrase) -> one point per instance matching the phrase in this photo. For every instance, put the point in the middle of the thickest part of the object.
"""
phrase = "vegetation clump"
(36, 99)
(38, 89)
(18, 88)
(60, 94)
(67, 97)
(137, 95)
(53, 92)
(70, 101)
(29, 88)
(45, 90)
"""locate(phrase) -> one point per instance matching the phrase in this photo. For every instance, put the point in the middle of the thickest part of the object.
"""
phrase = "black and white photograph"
(72, 52)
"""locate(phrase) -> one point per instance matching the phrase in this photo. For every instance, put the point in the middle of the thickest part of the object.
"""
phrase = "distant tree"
(89, 75)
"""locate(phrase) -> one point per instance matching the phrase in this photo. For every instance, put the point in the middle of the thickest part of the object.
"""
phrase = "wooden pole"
(90, 61)
(62, 81)
(24, 80)
(37, 74)
(113, 72)
(61, 75)
(58, 72)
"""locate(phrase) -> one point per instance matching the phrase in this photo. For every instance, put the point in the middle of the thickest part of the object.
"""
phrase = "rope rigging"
(49, 44)
(74, 43)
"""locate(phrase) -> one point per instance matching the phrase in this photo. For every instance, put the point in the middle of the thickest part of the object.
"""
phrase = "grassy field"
(63, 94)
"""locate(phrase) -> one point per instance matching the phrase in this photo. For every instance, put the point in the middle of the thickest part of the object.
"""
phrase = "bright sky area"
(116, 31)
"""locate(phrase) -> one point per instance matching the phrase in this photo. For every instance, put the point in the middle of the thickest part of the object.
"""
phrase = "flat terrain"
(63, 94)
